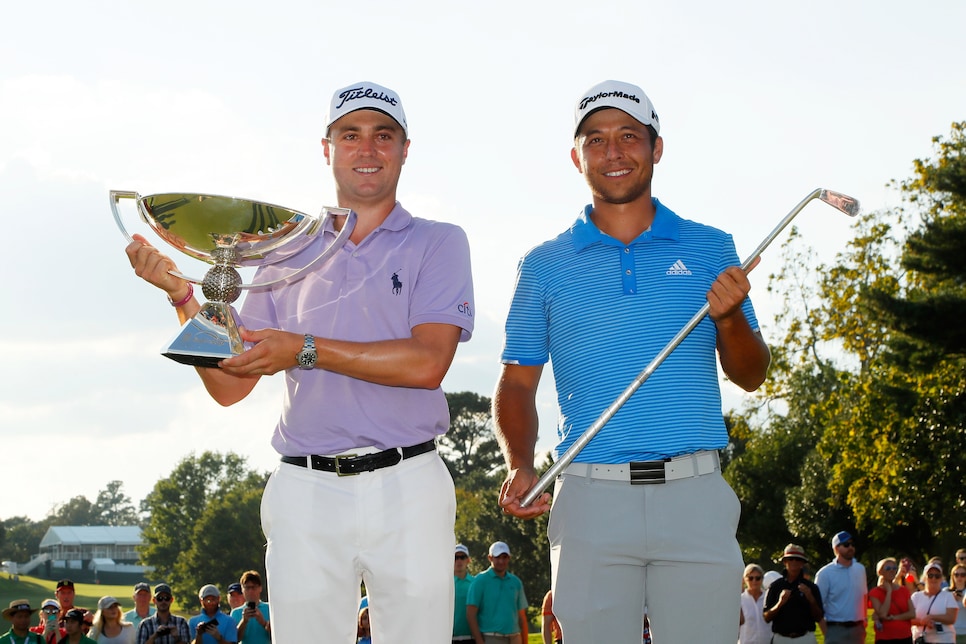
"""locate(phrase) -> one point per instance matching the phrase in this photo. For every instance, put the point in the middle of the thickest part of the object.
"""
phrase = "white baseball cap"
(366, 96)
(209, 590)
(463, 549)
(499, 548)
(628, 98)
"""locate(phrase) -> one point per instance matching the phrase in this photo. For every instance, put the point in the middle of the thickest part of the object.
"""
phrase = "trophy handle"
(337, 243)
(117, 195)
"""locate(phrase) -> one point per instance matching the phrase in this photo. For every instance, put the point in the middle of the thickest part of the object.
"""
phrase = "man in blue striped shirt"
(642, 517)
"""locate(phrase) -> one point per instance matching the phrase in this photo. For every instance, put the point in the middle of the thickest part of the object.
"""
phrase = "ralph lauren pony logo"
(396, 284)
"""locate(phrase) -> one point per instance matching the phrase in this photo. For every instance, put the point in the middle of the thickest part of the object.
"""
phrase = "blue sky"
(760, 102)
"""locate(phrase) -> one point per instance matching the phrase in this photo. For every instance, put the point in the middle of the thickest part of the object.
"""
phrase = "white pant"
(616, 547)
(391, 528)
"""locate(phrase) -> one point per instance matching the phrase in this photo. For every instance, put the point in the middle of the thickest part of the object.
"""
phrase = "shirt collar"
(397, 219)
(585, 232)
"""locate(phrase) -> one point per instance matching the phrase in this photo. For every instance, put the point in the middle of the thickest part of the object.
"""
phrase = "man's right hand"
(518, 483)
(153, 267)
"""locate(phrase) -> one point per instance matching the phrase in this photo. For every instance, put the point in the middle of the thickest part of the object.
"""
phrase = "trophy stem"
(207, 338)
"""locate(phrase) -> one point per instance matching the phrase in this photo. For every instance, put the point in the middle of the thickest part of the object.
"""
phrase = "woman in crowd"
(891, 605)
(907, 575)
(108, 627)
(363, 635)
(935, 609)
(754, 629)
(957, 587)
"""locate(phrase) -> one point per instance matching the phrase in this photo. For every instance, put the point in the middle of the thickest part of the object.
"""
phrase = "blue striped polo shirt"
(600, 311)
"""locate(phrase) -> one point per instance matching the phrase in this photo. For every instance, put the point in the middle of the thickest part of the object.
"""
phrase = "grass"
(36, 590)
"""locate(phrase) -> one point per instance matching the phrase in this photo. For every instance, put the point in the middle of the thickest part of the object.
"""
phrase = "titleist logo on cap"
(587, 100)
(354, 93)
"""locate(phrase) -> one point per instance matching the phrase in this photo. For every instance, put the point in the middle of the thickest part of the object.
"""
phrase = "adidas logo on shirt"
(678, 268)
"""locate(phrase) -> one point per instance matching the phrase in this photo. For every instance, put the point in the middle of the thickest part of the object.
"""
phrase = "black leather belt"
(350, 464)
(846, 624)
(792, 636)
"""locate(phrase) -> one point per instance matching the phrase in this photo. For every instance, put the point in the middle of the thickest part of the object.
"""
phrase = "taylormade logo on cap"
(366, 96)
(628, 98)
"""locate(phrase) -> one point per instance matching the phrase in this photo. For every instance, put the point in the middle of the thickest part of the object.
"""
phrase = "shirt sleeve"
(527, 331)
(443, 291)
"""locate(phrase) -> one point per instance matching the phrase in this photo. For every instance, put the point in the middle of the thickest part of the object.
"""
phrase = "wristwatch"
(307, 356)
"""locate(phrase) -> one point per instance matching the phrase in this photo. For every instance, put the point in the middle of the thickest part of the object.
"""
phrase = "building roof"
(98, 535)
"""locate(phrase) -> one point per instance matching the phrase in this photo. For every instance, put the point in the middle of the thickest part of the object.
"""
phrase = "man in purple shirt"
(364, 342)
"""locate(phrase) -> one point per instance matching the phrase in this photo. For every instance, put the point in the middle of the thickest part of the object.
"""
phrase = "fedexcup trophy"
(228, 233)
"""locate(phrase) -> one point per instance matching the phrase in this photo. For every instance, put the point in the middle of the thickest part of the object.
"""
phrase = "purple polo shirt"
(408, 271)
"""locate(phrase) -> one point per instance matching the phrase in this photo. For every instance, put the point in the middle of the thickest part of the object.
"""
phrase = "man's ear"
(576, 159)
(658, 149)
(325, 151)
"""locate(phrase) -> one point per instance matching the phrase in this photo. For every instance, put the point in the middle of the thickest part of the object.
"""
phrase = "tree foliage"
(226, 539)
(474, 457)
(113, 507)
(198, 486)
(862, 420)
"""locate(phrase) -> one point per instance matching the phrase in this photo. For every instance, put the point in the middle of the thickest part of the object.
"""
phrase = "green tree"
(78, 511)
(902, 436)
(227, 538)
(469, 447)
(863, 418)
(22, 538)
(177, 503)
(113, 507)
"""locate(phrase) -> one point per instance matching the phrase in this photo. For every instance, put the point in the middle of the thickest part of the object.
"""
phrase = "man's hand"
(153, 267)
(518, 483)
(729, 291)
(274, 351)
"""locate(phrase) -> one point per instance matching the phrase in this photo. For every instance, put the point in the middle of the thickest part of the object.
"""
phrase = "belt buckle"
(338, 466)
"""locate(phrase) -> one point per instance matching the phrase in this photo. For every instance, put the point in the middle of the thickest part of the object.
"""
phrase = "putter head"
(848, 205)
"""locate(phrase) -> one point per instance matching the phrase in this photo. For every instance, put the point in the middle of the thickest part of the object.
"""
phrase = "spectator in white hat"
(496, 607)
(936, 609)
(49, 627)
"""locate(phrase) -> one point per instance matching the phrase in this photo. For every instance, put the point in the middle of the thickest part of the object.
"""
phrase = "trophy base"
(208, 338)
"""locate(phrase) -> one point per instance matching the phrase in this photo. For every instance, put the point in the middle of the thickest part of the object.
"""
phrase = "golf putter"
(839, 201)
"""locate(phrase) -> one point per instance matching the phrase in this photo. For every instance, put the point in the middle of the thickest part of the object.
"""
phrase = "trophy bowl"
(227, 232)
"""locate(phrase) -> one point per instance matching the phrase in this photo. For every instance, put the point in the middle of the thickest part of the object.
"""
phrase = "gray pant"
(615, 547)
(845, 634)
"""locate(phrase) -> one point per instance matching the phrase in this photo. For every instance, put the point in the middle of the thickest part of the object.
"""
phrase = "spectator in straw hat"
(18, 614)
(793, 604)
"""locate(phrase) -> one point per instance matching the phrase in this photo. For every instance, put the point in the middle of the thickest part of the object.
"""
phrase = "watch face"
(307, 359)
(307, 356)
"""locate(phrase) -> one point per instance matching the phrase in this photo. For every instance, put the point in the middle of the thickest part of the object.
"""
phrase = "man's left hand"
(274, 351)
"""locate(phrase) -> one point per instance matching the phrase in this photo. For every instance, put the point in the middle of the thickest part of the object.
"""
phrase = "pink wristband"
(185, 299)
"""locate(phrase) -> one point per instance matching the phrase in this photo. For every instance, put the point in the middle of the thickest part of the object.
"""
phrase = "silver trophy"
(228, 233)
